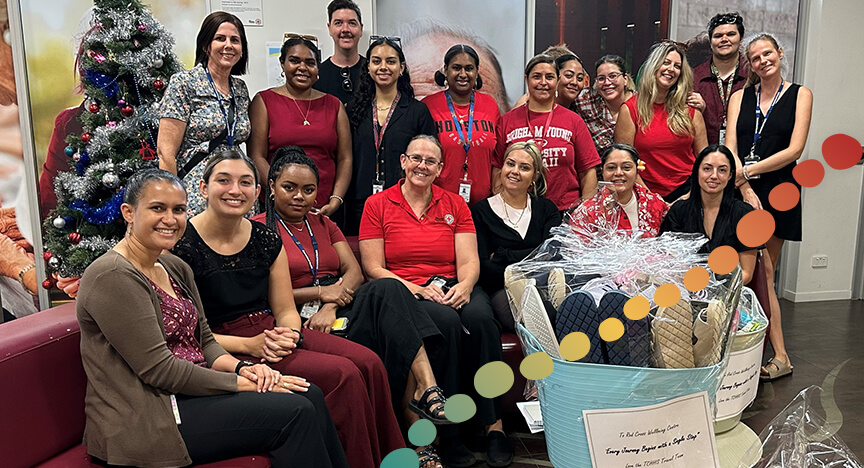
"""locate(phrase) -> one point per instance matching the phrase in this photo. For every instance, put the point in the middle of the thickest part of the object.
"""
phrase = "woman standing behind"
(564, 141)
(512, 223)
(768, 125)
(384, 117)
(296, 114)
(659, 124)
(466, 122)
(205, 109)
(600, 106)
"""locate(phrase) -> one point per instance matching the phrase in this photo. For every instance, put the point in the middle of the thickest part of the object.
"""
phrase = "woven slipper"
(708, 329)
(639, 341)
(579, 313)
(536, 320)
(672, 330)
(782, 370)
(612, 306)
(556, 287)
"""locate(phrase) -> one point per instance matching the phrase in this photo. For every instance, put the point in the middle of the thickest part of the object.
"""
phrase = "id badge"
(377, 186)
(175, 409)
(310, 308)
(465, 190)
(723, 136)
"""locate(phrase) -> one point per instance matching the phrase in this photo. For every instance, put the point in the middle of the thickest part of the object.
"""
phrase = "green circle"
(422, 433)
(401, 458)
(493, 379)
(459, 408)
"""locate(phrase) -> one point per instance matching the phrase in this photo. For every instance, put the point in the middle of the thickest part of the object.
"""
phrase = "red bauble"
(159, 85)
(74, 237)
(127, 111)
(85, 137)
(49, 283)
(94, 108)
(47, 256)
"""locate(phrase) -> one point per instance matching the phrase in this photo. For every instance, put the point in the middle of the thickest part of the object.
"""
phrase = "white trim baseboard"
(813, 296)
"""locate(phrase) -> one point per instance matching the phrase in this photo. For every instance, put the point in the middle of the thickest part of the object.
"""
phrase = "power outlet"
(819, 261)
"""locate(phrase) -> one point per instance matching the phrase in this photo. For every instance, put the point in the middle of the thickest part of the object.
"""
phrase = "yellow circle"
(637, 308)
(493, 379)
(575, 346)
(537, 366)
(696, 279)
(611, 329)
(667, 295)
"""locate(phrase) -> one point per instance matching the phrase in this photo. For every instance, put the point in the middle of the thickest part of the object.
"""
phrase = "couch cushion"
(77, 457)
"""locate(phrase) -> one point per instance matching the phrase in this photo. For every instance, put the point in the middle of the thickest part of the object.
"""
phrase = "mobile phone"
(441, 282)
(339, 325)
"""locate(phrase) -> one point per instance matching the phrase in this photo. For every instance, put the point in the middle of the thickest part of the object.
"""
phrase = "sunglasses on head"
(681, 45)
(726, 18)
(305, 37)
(394, 39)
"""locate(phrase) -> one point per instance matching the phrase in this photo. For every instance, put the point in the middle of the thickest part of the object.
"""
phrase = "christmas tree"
(125, 62)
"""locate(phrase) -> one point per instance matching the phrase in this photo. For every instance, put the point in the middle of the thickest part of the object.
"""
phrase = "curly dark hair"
(365, 93)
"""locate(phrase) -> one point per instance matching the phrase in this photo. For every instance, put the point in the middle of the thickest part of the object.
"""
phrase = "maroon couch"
(42, 394)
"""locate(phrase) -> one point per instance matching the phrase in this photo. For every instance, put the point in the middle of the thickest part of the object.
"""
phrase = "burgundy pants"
(354, 383)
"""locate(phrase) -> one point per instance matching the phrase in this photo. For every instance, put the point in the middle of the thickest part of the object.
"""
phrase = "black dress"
(775, 137)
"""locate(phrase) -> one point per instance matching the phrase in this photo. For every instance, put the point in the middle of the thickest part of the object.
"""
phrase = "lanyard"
(231, 124)
(466, 142)
(378, 132)
(545, 127)
(312, 269)
(757, 131)
(727, 93)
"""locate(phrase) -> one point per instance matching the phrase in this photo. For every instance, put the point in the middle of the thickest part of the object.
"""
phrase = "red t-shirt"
(567, 148)
(417, 249)
(668, 157)
(326, 234)
(483, 142)
(318, 139)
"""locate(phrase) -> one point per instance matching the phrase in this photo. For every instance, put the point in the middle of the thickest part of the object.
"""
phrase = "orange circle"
(723, 260)
(841, 151)
(611, 329)
(667, 295)
(696, 279)
(755, 228)
(784, 196)
(636, 308)
(809, 173)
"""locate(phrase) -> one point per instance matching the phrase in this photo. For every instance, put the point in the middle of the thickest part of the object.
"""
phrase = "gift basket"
(586, 273)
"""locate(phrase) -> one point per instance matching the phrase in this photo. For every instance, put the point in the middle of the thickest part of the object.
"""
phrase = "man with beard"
(339, 74)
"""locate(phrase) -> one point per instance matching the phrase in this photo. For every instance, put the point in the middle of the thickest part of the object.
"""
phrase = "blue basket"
(576, 386)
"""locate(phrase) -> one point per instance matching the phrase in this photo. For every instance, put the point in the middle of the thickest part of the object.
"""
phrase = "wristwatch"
(21, 274)
(242, 364)
(300, 340)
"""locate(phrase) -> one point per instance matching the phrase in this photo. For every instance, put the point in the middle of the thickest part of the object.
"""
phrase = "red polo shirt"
(416, 249)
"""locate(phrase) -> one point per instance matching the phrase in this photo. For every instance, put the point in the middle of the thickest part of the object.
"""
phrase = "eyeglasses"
(396, 39)
(347, 85)
(611, 77)
(429, 162)
(305, 37)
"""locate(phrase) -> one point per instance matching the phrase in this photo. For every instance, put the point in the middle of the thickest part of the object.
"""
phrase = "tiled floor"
(823, 339)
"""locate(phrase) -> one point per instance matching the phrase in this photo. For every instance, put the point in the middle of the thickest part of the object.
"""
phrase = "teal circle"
(459, 408)
(401, 458)
(422, 433)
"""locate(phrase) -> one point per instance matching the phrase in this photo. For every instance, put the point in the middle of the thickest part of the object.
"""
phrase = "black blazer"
(494, 236)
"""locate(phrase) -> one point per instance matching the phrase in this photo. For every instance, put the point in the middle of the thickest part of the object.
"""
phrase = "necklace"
(305, 116)
(383, 108)
(507, 214)
(293, 225)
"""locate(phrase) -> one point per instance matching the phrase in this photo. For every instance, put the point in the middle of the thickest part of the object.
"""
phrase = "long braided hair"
(285, 156)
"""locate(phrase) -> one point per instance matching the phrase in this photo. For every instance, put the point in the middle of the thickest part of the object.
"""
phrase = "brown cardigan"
(131, 373)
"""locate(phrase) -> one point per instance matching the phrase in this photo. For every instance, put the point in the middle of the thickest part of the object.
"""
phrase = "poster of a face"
(428, 29)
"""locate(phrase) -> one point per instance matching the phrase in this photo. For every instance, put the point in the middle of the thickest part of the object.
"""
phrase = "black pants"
(294, 429)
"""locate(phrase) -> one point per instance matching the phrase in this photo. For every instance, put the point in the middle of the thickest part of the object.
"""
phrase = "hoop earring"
(283, 73)
(273, 197)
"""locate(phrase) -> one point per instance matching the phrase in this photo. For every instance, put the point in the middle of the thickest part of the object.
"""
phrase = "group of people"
(234, 331)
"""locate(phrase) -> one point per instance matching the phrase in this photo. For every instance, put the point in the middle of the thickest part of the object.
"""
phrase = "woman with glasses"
(424, 236)
(659, 124)
(296, 114)
(564, 141)
(384, 116)
(205, 109)
(466, 121)
(600, 106)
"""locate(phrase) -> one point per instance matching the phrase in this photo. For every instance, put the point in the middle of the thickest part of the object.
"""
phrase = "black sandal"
(427, 455)
(423, 407)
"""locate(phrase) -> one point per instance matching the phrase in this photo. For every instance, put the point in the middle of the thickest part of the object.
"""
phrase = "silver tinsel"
(97, 244)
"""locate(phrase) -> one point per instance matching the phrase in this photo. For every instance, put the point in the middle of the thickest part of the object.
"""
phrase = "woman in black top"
(385, 92)
(511, 224)
(712, 209)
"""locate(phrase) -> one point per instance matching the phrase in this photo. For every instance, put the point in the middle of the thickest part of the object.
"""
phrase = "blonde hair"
(752, 77)
(679, 120)
(533, 150)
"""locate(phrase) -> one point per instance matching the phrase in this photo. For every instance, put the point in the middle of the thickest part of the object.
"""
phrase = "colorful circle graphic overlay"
(611, 329)
(841, 151)
(723, 260)
(667, 295)
(755, 228)
(809, 173)
(401, 458)
(536, 366)
(493, 379)
(460, 408)
(784, 196)
(575, 346)
(422, 433)
(696, 279)
(637, 307)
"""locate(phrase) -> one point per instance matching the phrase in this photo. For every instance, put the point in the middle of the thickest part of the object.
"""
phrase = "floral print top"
(191, 98)
(595, 213)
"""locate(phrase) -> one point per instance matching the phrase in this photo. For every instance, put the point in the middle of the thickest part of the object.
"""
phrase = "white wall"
(832, 63)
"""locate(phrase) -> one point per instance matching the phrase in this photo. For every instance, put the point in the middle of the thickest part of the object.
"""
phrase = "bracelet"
(341, 201)
(22, 272)
(744, 170)
(319, 291)
(300, 340)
